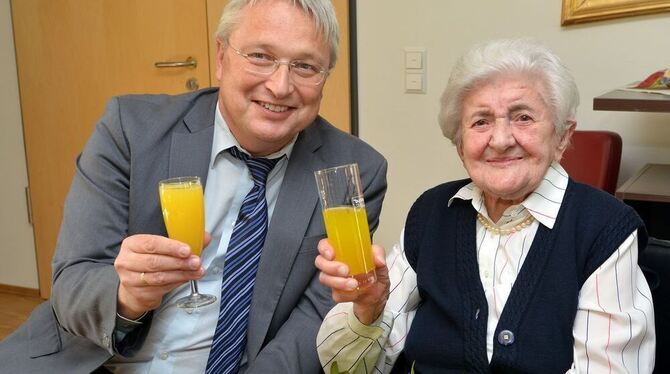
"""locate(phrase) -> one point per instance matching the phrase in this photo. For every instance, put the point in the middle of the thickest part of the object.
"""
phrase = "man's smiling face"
(265, 113)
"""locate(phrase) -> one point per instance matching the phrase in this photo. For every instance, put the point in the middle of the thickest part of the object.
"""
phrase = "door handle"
(189, 63)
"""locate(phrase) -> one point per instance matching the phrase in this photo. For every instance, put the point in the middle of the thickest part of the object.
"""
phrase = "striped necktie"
(239, 273)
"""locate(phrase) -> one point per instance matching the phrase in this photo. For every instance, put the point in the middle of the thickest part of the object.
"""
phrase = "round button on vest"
(506, 337)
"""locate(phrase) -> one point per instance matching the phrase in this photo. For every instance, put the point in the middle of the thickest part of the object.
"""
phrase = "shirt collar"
(224, 139)
(543, 203)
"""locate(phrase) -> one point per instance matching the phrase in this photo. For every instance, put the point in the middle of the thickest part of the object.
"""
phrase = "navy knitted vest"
(448, 333)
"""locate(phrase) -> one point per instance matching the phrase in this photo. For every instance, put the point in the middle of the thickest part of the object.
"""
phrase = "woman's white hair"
(321, 11)
(508, 56)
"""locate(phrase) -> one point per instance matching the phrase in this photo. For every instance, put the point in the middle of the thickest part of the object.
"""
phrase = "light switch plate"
(413, 60)
(414, 83)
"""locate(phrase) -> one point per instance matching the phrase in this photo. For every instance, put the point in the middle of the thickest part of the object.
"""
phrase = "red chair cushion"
(593, 158)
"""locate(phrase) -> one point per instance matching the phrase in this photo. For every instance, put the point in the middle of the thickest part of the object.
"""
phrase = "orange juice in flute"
(184, 215)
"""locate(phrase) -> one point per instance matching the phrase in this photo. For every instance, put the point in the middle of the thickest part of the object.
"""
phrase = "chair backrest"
(655, 263)
(593, 158)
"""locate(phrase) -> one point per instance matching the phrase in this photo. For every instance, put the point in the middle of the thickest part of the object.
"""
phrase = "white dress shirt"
(179, 340)
(614, 325)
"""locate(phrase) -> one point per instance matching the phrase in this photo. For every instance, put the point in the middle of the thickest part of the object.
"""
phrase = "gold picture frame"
(578, 11)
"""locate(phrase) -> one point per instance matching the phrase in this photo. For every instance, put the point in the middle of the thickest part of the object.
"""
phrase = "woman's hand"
(368, 302)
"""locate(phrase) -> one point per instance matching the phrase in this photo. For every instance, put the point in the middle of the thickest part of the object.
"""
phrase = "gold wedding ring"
(143, 279)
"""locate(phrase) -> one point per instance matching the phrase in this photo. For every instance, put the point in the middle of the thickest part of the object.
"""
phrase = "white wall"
(17, 249)
(403, 127)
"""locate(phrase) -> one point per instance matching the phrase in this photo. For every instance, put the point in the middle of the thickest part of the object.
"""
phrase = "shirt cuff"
(372, 331)
(123, 322)
(125, 326)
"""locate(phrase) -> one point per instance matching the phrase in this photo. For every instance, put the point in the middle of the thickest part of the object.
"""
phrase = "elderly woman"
(517, 269)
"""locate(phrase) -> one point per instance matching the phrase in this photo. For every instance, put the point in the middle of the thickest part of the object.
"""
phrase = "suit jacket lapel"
(191, 149)
(292, 214)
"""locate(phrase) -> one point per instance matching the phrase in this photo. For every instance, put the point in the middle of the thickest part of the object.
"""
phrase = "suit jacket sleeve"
(293, 349)
(95, 221)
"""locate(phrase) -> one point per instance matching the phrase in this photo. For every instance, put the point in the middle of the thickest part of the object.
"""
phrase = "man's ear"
(219, 58)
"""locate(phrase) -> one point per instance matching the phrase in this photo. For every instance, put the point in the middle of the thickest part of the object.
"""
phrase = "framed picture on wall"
(578, 11)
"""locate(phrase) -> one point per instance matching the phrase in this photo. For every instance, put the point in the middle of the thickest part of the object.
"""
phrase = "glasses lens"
(261, 69)
(311, 80)
(260, 63)
(306, 73)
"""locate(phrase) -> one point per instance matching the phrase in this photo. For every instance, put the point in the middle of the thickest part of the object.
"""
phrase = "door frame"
(353, 67)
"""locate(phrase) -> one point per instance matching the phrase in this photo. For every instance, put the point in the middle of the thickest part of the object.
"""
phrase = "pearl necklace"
(493, 228)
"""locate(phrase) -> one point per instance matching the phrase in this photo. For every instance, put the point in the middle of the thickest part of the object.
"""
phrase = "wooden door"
(72, 55)
(336, 102)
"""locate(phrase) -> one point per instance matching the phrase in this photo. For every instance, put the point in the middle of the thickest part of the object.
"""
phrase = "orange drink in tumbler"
(183, 213)
(348, 232)
(346, 220)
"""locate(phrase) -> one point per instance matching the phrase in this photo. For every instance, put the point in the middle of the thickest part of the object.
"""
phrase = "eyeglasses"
(301, 72)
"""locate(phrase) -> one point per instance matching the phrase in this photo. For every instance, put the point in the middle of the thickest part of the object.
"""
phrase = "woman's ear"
(459, 149)
(565, 139)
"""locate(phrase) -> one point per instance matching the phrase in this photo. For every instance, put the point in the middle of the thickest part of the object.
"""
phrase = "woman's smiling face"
(508, 136)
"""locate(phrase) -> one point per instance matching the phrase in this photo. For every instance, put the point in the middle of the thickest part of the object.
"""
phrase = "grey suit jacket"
(138, 141)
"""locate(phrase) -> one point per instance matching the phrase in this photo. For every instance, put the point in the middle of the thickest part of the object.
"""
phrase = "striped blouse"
(614, 325)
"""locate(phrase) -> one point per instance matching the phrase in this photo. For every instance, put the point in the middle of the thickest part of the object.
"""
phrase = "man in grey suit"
(116, 274)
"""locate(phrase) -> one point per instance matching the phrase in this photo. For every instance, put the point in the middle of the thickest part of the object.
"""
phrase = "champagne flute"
(184, 216)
